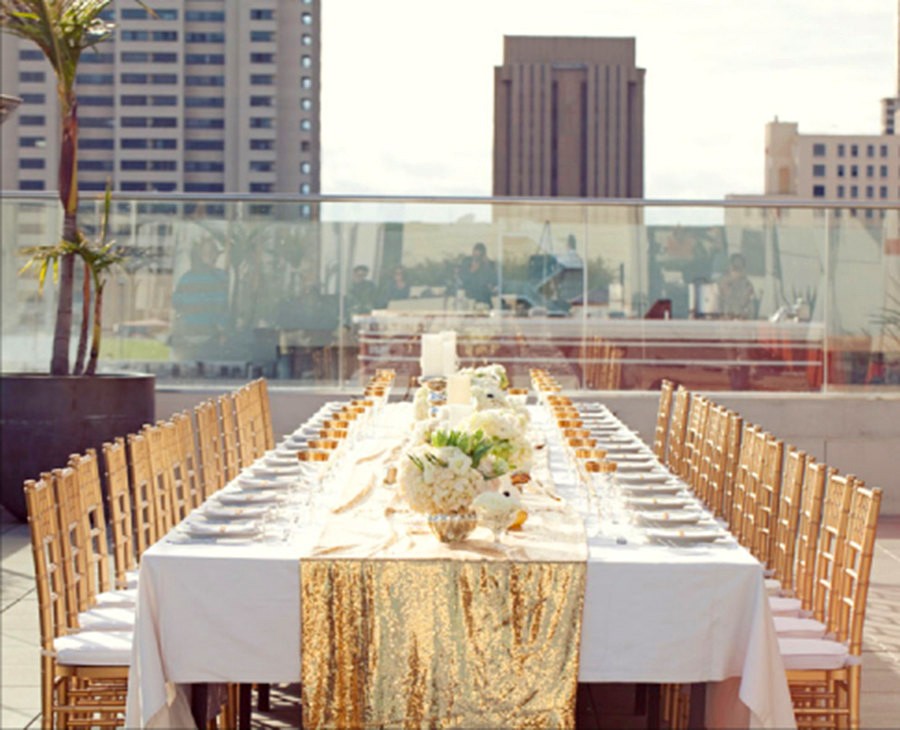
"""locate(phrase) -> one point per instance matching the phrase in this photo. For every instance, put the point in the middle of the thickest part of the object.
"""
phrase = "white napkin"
(199, 528)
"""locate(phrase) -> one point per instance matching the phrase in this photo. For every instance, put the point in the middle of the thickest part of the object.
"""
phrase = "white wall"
(857, 434)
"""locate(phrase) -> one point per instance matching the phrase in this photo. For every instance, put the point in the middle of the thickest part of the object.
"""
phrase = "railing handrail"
(762, 202)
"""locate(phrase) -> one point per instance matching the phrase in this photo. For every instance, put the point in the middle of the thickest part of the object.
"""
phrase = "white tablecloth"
(223, 613)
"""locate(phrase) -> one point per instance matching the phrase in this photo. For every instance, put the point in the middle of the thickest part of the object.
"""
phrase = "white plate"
(668, 518)
(639, 458)
(276, 471)
(639, 469)
(247, 481)
(234, 512)
(616, 448)
(664, 501)
(241, 497)
(684, 534)
(276, 458)
(646, 490)
(292, 442)
(199, 528)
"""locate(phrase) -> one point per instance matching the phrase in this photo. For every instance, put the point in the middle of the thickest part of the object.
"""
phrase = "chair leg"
(263, 697)
(244, 706)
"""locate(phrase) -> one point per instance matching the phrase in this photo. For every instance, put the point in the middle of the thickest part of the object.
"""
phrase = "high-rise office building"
(209, 96)
(569, 118)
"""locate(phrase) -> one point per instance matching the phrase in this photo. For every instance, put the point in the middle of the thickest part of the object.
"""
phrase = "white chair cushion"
(94, 648)
(794, 627)
(821, 654)
(773, 586)
(107, 618)
(126, 597)
(782, 606)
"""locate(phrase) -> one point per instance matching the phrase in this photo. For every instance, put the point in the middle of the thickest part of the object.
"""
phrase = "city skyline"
(416, 116)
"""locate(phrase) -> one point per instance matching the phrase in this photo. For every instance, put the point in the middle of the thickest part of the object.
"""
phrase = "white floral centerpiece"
(507, 428)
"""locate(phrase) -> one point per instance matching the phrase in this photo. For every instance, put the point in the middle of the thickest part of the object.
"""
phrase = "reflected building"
(569, 118)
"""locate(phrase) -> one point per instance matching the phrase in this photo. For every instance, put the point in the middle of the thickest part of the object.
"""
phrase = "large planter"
(45, 418)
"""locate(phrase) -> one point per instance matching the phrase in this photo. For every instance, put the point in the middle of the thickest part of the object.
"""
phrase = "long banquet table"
(214, 612)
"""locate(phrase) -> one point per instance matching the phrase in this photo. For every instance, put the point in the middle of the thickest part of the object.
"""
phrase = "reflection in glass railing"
(620, 295)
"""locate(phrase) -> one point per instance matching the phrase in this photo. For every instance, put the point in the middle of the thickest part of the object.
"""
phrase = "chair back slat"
(79, 579)
(212, 455)
(832, 534)
(677, 428)
(745, 469)
(228, 429)
(785, 538)
(693, 444)
(187, 453)
(808, 531)
(87, 470)
(46, 550)
(144, 497)
(767, 497)
(160, 477)
(732, 457)
(248, 418)
(663, 413)
(120, 513)
(262, 387)
(856, 566)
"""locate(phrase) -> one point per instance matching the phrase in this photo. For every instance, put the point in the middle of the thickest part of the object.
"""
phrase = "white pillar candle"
(457, 412)
(459, 389)
(448, 339)
(432, 358)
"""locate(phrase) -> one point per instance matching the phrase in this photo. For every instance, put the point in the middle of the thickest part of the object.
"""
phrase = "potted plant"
(46, 417)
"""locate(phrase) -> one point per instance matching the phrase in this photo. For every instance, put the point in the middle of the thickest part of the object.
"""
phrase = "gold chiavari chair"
(212, 456)
(825, 674)
(161, 488)
(766, 499)
(746, 471)
(835, 512)
(148, 527)
(121, 521)
(732, 456)
(91, 603)
(677, 428)
(186, 450)
(87, 473)
(228, 429)
(694, 438)
(785, 542)
(663, 413)
(262, 387)
(84, 676)
(249, 418)
(712, 458)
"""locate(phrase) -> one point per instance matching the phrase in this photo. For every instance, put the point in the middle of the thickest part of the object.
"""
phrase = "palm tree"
(62, 29)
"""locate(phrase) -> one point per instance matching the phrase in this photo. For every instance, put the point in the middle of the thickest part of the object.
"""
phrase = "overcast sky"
(407, 85)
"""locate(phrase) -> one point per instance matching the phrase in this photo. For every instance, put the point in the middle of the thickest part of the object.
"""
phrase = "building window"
(854, 191)
(305, 188)
(134, 14)
(34, 98)
(132, 143)
(262, 15)
(32, 120)
(260, 101)
(882, 192)
(206, 102)
(841, 150)
(306, 19)
(133, 165)
(262, 36)
(164, 144)
(870, 191)
(133, 100)
(262, 79)
(204, 166)
(164, 100)
(854, 150)
(840, 191)
(883, 170)
(204, 187)
(840, 171)
(31, 163)
(262, 144)
(305, 168)
(204, 144)
(304, 146)
(164, 79)
(91, 186)
(870, 150)
(133, 121)
(94, 144)
(818, 191)
(134, 57)
(261, 166)
(884, 150)
(30, 54)
(306, 61)
(204, 80)
(135, 35)
(818, 171)
(165, 57)
(31, 184)
(205, 16)
(32, 77)
(165, 35)
(88, 100)
(306, 104)
(32, 142)
(306, 82)
(133, 186)
(262, 58)
(164, 122)
(305, 125)
(94, 57)
(201, 123)
(819, 149)
(96, 123)
(307, 39)
(854, 171)
(94, 78)
(261, 122)
(162, 187)
(261, 187)
(204, 37)
(164, 165)
(211, 59)
(132, 78)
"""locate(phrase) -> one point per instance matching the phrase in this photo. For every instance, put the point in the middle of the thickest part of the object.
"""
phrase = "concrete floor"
(20, 689)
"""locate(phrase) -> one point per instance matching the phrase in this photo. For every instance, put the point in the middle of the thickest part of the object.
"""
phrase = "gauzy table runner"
(401, 630)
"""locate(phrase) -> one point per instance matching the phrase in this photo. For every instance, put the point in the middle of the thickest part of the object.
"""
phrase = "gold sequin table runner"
(400, 630)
